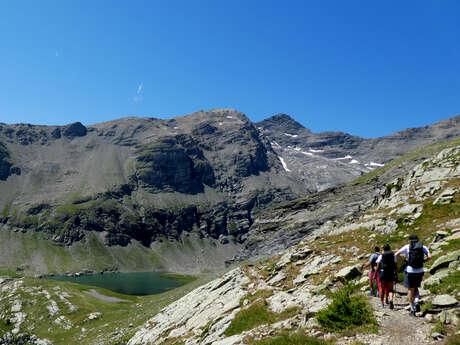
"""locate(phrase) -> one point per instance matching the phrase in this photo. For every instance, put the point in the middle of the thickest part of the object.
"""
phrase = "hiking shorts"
(386, 286)
(413, 280)
(373, 276)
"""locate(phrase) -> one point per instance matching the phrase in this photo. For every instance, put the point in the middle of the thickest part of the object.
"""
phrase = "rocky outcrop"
(174, 164)
(73, 130)
(6, 167)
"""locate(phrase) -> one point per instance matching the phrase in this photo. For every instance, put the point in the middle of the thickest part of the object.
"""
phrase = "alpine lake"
(134, 283)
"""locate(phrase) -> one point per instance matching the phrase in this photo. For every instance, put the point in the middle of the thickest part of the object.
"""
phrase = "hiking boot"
(412, 313)
(392, 306)
(417, 307)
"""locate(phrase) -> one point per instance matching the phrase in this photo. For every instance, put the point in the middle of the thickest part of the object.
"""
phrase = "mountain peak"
(281, 121)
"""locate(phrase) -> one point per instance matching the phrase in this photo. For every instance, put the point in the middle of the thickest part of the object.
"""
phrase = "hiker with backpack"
(415, 253)
(387, 268)
(373, 276)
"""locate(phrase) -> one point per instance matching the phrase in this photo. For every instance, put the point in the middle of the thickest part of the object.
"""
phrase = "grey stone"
(437, 336)
(435, 279)
(445, 197)
(444, 261)
(301, 254)
(277, 278)
(410, 208)
(347, 273)
(444, 301)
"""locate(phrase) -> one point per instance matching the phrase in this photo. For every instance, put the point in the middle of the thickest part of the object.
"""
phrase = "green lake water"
(136, 283)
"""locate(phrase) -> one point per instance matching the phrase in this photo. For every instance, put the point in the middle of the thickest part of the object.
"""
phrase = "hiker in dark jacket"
(415, 253)
(373, 276)
(387, 268)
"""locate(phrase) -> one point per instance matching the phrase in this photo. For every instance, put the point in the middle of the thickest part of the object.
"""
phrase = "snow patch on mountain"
(291, 135)
(373, 164)
(342, 158)
(284, 164)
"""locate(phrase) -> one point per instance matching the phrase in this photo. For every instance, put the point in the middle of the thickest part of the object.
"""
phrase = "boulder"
(435, 279)
(454, 236)
(437, 336)
(410, 208)
(445, 197)
(75, 130)
(234, 339)
(301, 254)
(278, 278)
(444, 261)
(347, 273)
(440, 235)
(444, 301)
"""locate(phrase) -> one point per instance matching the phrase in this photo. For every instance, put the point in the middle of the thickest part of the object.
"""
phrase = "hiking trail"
(396, 327)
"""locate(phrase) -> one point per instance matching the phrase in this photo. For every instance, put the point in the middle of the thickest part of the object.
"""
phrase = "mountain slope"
(187, 187)
(322, 160)
(183, 194)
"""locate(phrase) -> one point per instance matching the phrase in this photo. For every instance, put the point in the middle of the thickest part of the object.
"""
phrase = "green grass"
(179, 278)
(73, 209)
(9, 273)
(451, 245)
(297, 338)
(426, 306)
(346, 311)
(439, 328)
(256, 315)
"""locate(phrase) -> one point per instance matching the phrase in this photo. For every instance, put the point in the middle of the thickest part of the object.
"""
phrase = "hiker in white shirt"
(415, 254)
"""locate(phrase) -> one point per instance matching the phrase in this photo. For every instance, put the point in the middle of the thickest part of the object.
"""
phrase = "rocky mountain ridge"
(323, 160)
(183, 193)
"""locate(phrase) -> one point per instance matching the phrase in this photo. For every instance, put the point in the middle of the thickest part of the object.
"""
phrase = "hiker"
(373, 276)
(387, 268)
(413, 274)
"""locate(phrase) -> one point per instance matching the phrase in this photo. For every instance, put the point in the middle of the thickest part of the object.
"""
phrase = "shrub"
(346, 311)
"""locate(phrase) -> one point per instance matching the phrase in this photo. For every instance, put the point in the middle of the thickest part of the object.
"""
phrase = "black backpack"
(415, 257)
(388, 266)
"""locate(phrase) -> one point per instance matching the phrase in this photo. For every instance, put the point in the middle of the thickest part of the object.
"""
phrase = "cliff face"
(155, 182)
(190, 189)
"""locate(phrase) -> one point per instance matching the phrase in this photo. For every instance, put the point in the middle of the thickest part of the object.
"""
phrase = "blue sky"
(364, 67)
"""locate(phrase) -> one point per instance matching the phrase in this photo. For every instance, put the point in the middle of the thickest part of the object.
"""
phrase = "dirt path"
(396, 327)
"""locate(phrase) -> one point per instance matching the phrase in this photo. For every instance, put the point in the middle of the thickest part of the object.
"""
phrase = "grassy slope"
(44, 256)
(116, 317)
